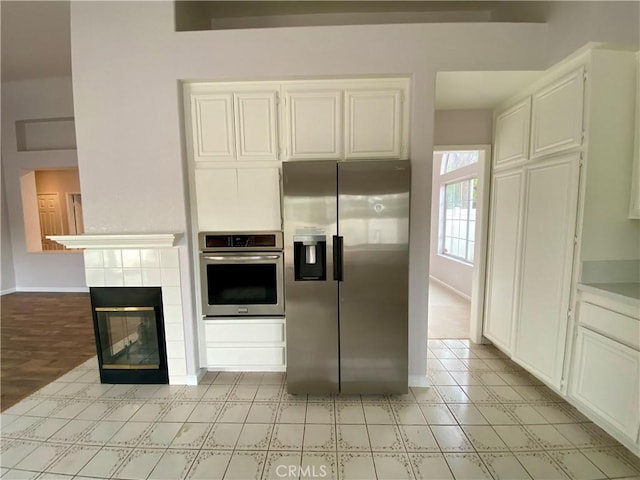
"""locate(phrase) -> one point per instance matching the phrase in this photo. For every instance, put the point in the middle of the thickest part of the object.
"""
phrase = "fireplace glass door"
(128, 337)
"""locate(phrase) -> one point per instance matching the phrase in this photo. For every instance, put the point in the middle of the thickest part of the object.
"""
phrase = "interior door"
(50, 219)
(373, 220)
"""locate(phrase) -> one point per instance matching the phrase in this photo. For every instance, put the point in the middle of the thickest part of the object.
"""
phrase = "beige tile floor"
(484, 417)
(448, 313)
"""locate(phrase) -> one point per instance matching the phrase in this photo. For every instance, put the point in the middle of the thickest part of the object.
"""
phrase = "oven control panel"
(213, 241)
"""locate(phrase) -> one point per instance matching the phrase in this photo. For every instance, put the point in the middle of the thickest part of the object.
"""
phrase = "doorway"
(458, 232)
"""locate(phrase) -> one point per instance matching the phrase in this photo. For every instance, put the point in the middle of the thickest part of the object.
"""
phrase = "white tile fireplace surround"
(142, 260)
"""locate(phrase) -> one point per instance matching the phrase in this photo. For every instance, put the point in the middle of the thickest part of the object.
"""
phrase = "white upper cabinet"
(511, 135)
(373, 123)
(557, 112)
(227, 125)
(313, 123)
(212, 129)
(550, 210)
(256, 125)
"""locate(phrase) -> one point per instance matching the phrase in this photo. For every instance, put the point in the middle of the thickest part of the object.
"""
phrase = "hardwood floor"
(43, 336)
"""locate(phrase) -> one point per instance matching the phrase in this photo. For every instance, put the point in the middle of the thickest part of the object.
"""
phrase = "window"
(459, 219)
(455, 160)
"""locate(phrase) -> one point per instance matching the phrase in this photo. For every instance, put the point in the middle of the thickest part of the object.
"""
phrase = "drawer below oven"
(240, 357)
(243, 331)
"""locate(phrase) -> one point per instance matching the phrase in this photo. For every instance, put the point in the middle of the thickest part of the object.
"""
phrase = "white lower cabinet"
(239, 344)
(605, 379)
(604, 373)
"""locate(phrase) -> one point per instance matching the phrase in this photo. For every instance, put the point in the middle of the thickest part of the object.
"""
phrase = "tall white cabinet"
(562, 147)
(546, 264)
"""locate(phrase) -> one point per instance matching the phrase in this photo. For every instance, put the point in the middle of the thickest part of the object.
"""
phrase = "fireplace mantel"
(105, 241)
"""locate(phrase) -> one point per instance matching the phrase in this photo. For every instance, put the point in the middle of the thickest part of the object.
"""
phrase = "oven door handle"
(238, 258)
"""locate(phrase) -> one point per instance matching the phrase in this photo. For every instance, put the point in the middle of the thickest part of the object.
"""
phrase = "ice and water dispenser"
(310, 257)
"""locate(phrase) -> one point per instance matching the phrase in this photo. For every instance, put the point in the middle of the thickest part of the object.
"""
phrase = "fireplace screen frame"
(129, 299)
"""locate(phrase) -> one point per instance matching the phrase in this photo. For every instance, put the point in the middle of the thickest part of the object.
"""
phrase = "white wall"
(454, 127)
(7, 274)
(127, 63)
(463, 127)
(24, 100)
(572, 24)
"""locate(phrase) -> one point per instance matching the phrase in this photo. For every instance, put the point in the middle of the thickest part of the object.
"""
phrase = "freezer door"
(311, 293)
(373, 220)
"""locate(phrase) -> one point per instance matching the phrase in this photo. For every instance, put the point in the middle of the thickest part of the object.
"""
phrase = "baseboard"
(449, 287)
(179, 379)
(418, 381)
(7, 291)
(246, 368)
(53, 289)
(195, 379)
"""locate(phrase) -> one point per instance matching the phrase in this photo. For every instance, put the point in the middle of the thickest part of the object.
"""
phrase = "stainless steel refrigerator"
(346, 241)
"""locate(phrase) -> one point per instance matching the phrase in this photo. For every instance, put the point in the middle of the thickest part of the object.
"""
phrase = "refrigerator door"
(310, 222)
(373, 220)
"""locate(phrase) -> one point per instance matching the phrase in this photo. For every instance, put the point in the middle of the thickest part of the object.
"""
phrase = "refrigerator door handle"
(338, 250)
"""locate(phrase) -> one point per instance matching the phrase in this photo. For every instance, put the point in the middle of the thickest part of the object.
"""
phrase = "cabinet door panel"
(503, 257)
(551, 196)
(512, 134)
(315, 125)
(217, 198)
(557, 115)
(212, 123)
(373, 124)
(259, 199)
(606, 379)
(256, 125)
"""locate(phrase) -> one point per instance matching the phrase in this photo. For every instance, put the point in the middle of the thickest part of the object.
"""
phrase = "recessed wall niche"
(45, 134)
(52, 205)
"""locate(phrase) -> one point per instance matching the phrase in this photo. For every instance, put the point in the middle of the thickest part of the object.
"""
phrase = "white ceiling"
(35, 39)
(479, 90)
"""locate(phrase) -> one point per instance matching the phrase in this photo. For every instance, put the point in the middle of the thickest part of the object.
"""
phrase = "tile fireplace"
(115, 261)
(129, 331)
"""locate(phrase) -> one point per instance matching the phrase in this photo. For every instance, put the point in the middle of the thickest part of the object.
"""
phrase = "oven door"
(242, 283)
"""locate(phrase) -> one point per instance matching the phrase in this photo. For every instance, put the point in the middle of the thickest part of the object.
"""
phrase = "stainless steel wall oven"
(241, 274)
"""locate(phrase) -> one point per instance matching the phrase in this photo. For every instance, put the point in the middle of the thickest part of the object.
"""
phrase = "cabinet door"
(503, 257)
(634, 206)
(212, 127)
(256, 125)
(314, 121)
(373, 121)
(511, 138)
(216, 198)
(230, 199)
(557, 111)
(551, 196)
(259, 199)
(605, 378)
